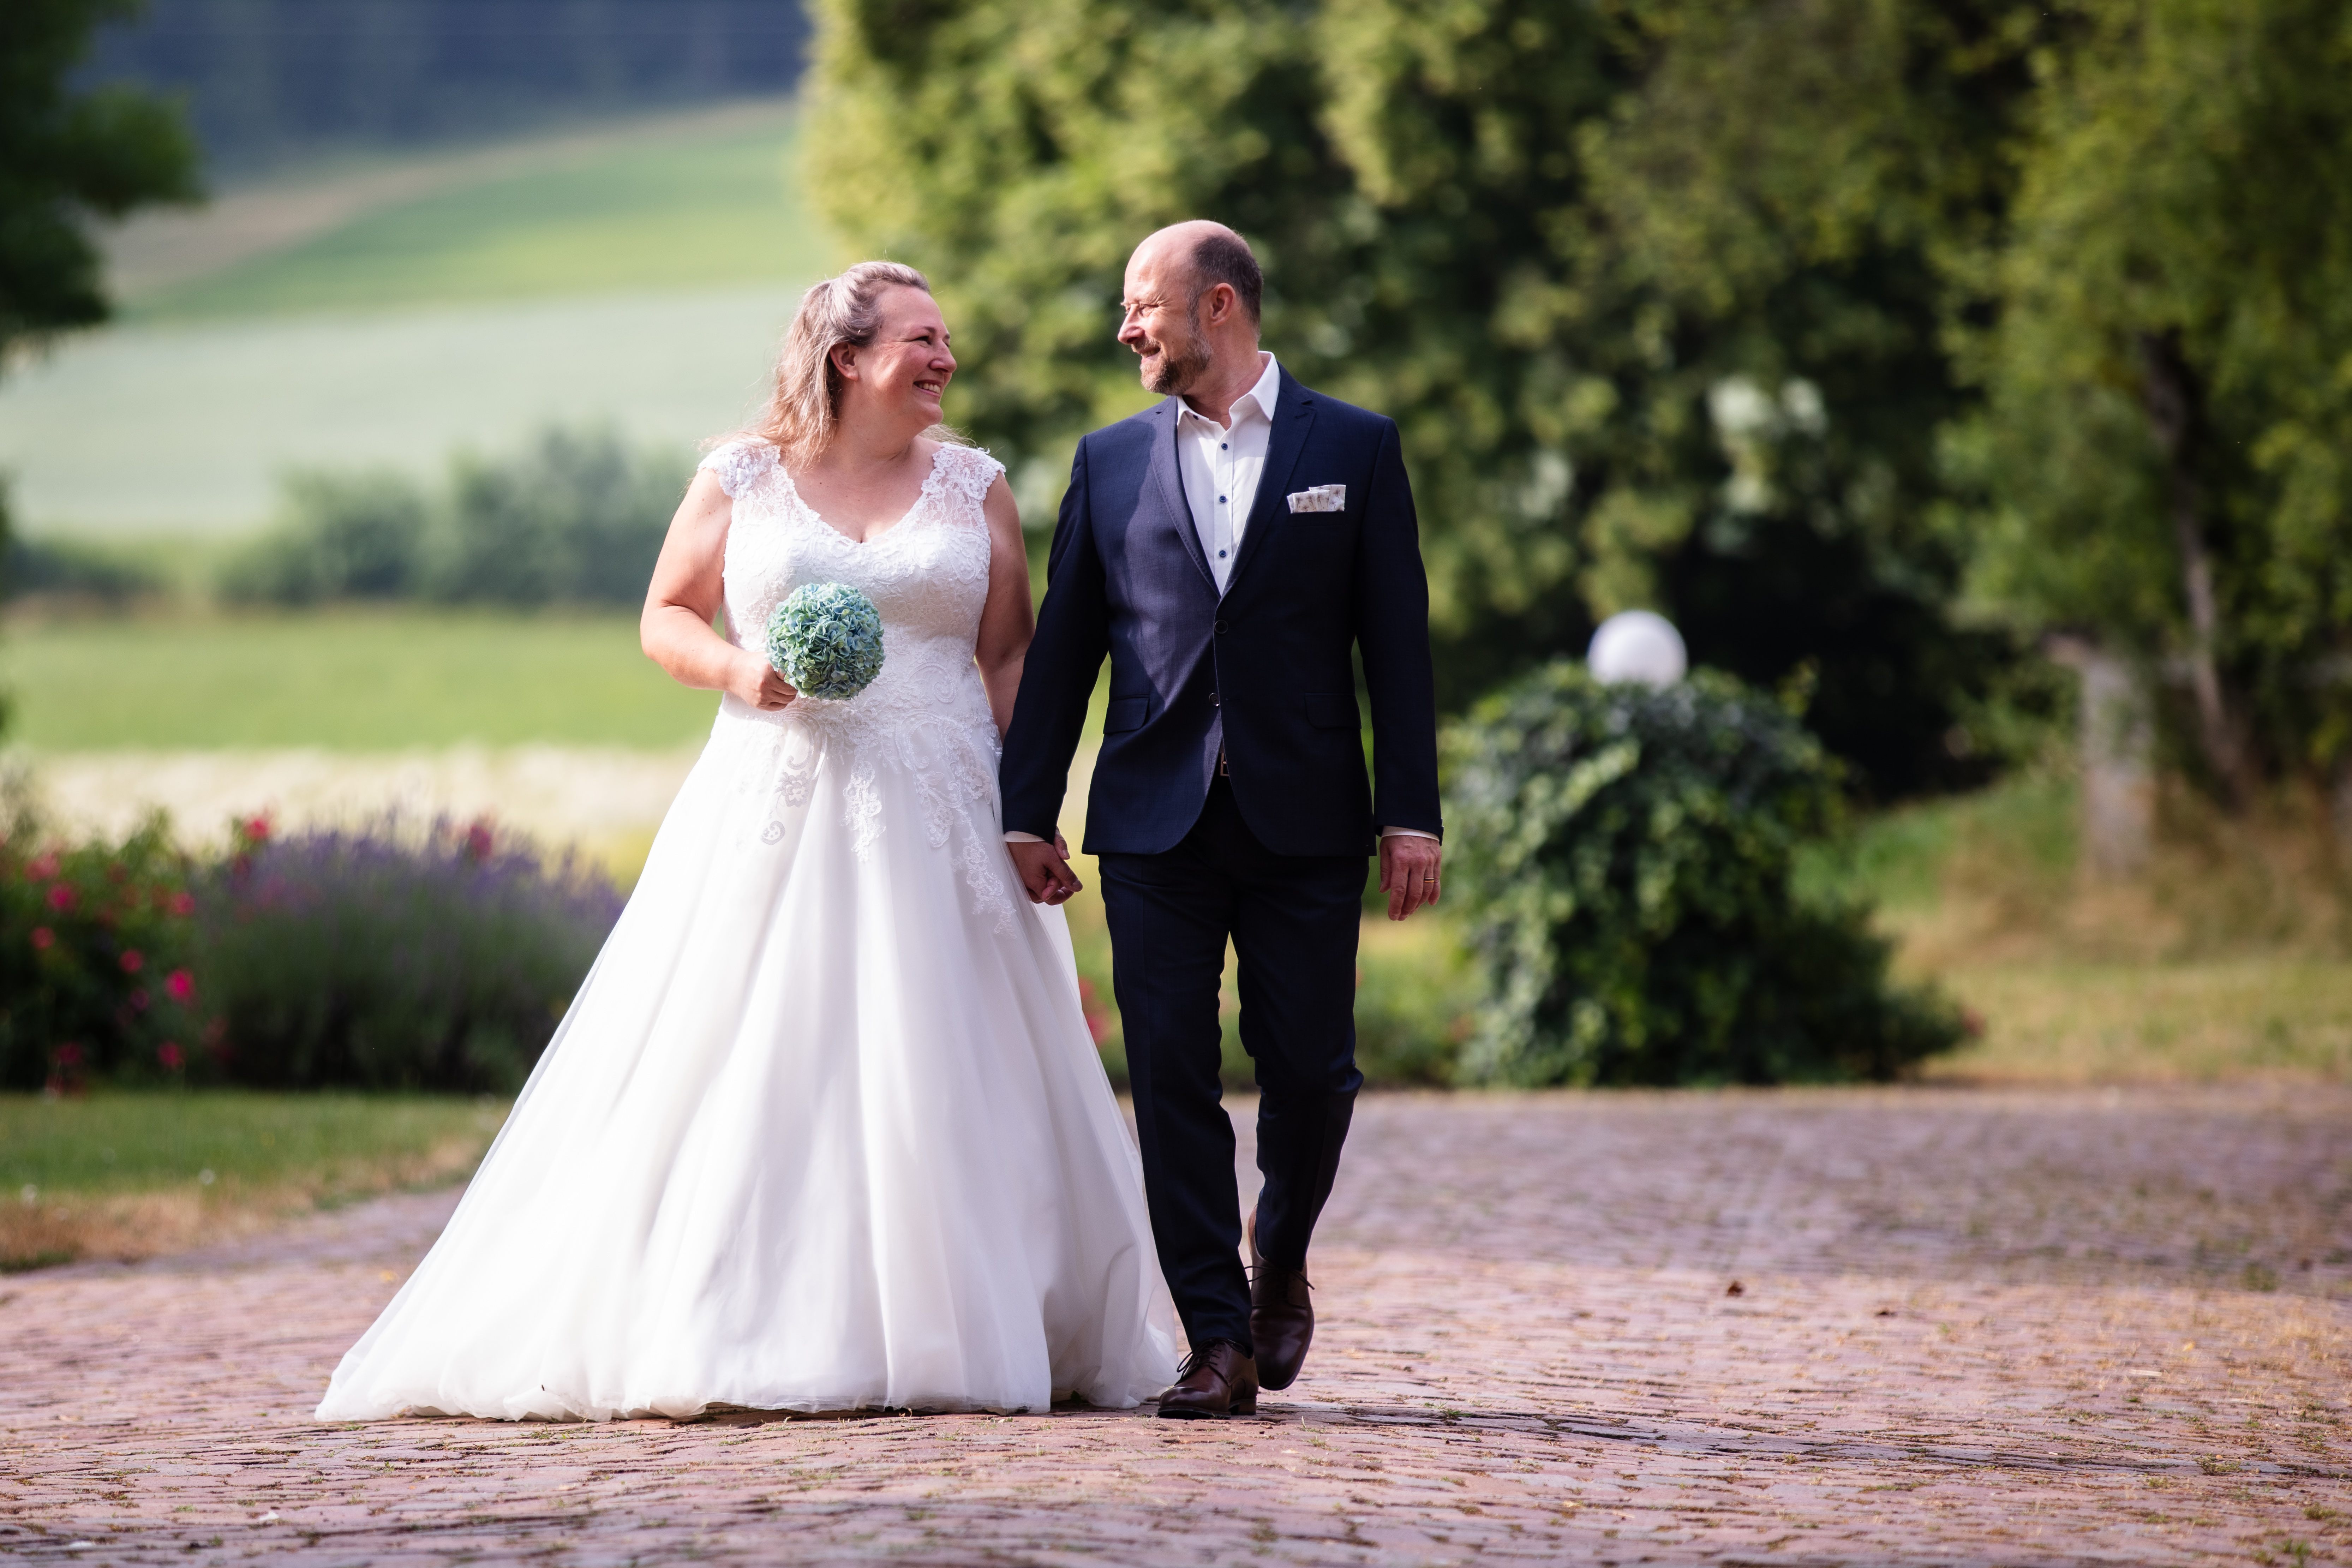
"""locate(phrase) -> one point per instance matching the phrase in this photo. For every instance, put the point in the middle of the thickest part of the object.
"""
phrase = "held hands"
(1045, 870)
(1409, 872)
(759, 683)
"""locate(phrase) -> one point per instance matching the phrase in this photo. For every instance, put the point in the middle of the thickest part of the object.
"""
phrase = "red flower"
(42, 869)
(180, 985)
(183, 903)
(477, 841)
(43, 939)
(256, 829)
(61, 896)
(168, 1053)
(139, 1000)
(68, 1054)
(133, 960)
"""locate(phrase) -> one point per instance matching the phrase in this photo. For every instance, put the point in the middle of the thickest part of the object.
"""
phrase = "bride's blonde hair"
(804, 409)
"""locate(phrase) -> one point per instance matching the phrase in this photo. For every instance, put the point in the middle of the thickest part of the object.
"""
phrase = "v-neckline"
(931, 476)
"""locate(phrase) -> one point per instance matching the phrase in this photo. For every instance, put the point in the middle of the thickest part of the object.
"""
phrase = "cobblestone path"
(1901, 1327)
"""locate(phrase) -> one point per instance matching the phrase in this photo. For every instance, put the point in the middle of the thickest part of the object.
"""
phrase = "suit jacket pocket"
(1126, 713)
(1333, 711)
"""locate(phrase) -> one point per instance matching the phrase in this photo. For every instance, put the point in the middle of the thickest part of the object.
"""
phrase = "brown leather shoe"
(1282, 1315)
(1215, 1380)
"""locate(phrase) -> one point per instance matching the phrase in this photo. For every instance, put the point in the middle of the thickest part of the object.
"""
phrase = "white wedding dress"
(825, 1128)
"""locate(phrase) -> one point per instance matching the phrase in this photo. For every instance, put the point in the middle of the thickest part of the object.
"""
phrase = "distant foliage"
(385, 959)
(575, 518)
(268, 78)
(341, 536)
(1628, 860)
(2171, 370)
(95, 944)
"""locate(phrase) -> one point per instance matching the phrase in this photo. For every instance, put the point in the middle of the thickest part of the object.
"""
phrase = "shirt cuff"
(1013, 838)
(1391, 833)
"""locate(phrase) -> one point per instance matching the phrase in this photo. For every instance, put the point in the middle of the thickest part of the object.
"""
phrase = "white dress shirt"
(1220, 465)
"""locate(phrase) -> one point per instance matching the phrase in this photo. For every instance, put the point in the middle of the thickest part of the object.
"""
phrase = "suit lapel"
(1168, 479)
(1293, 417)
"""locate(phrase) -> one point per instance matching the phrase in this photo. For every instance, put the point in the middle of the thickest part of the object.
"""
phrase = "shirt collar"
(1264, 395)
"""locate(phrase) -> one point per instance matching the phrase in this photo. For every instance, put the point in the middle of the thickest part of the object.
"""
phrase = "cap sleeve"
(969, 471)
(740, 464)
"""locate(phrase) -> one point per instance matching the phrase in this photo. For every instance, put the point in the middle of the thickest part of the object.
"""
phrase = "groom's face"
(1157, 321)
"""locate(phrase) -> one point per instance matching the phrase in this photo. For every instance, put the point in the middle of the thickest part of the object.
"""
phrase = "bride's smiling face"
(902, 374)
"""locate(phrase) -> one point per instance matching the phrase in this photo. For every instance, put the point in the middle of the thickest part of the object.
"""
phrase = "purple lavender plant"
(392, 956)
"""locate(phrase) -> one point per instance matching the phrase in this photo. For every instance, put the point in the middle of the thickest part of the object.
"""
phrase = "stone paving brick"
(1970, 1328)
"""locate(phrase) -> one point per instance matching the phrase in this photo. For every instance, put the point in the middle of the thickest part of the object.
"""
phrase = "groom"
(1231, 549)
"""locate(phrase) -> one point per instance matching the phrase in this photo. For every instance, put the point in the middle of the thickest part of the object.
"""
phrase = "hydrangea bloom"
(826, 639)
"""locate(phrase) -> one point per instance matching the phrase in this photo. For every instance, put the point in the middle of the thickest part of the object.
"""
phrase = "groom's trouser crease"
(1292, 922)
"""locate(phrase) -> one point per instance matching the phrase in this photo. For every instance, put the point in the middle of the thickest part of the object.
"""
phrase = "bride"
(825, 1128)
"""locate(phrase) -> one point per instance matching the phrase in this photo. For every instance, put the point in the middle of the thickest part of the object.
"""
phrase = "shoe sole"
(1248, 1409)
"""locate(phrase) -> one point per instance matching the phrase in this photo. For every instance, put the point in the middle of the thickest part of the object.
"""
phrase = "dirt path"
(1972, 1328)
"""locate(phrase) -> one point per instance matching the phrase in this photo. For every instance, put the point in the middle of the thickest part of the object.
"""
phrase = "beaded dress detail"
(825, 1128)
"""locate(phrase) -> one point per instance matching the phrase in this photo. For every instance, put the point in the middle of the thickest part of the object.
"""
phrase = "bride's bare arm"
(675, 630)
(1006, 621)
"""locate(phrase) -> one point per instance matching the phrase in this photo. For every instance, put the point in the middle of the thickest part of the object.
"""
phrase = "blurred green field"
(347, 680)
(636, 280)
(675, 208)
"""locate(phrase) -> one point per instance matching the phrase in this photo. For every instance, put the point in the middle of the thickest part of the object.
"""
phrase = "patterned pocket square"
(1322, 497)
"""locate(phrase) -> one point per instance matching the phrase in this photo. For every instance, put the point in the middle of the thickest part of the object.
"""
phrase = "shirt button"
(1220, 555)
(1220, 500)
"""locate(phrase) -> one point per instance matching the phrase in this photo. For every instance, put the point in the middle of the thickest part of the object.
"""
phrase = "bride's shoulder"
(740, 463)
(966, 469)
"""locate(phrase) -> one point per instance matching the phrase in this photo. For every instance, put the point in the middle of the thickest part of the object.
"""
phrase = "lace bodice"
(926, 712)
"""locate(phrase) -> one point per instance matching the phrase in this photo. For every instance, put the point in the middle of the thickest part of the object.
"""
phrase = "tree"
(1651, 286)
(67, 156)
(2162, 461)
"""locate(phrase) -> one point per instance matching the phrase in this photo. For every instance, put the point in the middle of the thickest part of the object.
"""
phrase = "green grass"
(354, 680)
(114, 1143)
(665, 211)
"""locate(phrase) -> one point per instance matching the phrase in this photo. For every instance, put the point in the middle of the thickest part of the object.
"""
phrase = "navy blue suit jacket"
(1264, 671)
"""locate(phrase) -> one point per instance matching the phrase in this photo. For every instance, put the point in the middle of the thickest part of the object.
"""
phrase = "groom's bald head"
(1192, 307)
(1207, 254)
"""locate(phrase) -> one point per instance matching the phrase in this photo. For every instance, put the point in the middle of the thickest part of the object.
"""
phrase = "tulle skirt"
(824, 1130)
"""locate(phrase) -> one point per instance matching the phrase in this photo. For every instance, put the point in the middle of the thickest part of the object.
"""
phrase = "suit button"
(1221, 628)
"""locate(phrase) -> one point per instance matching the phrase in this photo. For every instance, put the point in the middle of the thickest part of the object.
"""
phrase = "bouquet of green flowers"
(826, 639)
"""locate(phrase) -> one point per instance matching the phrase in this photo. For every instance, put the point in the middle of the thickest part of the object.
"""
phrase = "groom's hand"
(1409, 868)
(1045, 870)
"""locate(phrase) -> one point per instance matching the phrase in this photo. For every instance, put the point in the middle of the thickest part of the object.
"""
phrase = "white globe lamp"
(1637, 645)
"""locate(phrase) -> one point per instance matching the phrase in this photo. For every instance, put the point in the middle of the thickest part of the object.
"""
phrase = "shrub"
(1627, 864)
(392, 959)
(574, 518)
(95, 945)
(339, 536)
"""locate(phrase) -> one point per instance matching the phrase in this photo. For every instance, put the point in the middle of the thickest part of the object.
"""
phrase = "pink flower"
(42, 869)
(139, 1000)
(133, 960)
(256, 829)
(43, 939)
(183, 903)
(477, 841)
(68, 1054)
(180, 985)
(61, 896)
(168, 1053)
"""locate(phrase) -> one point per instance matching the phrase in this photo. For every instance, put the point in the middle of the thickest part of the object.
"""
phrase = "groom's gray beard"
(1178, 370)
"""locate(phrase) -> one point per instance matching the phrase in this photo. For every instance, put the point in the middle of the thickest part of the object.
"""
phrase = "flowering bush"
(95, 947)
(390, 958)
(1628, 861)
